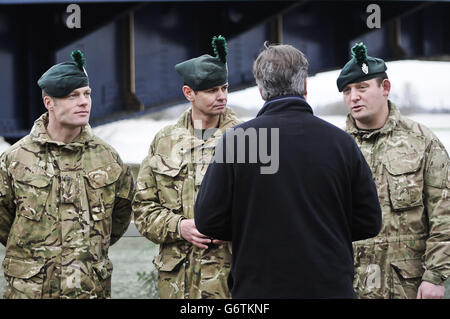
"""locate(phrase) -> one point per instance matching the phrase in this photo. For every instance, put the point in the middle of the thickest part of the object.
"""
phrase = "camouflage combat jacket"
(167, 186)
(61, 207)
(410, 167)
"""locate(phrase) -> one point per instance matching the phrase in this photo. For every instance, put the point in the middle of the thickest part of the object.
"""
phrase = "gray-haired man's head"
(280, 70)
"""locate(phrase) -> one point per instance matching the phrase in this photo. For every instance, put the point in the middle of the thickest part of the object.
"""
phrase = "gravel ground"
(131, 255)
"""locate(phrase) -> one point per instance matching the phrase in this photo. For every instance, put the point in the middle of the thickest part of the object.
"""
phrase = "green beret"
(206, 71)
(360, 68)
(63, 78)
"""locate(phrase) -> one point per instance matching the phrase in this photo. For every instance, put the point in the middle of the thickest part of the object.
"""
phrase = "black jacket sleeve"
(213, 206)
(366, 210)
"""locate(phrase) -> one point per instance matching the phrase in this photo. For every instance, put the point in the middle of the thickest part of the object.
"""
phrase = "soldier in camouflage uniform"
(410, 258)
(189, 264)
(65, 197)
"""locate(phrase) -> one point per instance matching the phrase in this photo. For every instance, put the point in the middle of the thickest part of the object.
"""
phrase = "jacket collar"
(285, 103)
(184, 132)
(39, 134)
(226, 120)
(391, 122)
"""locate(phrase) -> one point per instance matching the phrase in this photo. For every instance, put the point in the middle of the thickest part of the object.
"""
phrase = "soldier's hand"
(427, 290)
(191, 234)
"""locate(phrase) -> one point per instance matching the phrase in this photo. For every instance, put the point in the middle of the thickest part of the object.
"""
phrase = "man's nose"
(83, 100)
(221, 95)
(354, 95)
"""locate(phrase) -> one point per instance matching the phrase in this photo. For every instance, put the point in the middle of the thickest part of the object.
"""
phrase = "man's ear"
(260, 93)
(49, 103)
(386, 84)
(188, 93)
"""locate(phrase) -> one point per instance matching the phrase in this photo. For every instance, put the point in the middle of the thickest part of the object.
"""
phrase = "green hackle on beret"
(360, 68)
(63, 78)
(359, 52)
(220, 48)
(206, 71)
(78, 58)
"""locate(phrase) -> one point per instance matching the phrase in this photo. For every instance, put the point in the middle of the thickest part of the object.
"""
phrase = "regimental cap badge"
(365, 68)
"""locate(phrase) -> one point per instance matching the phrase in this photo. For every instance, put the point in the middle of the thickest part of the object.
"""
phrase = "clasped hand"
(189, 232)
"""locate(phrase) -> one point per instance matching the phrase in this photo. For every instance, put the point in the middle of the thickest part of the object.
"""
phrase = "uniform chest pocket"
(32, 188)
(202, 165)
(405, 181)
(101, 190)
(169, 178)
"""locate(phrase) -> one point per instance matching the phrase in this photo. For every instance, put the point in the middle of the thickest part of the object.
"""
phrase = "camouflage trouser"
(201, 275)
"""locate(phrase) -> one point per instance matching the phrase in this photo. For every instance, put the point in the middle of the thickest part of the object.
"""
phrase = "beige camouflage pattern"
(61, 207)
(167, 186)
(410, 167)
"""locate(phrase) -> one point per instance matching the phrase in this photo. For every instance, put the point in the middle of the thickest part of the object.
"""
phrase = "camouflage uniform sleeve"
(122, 206)
(7, 207)
(153, 220)
(437, 205)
